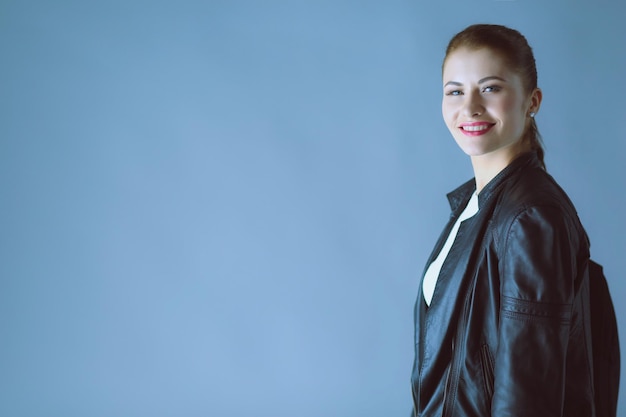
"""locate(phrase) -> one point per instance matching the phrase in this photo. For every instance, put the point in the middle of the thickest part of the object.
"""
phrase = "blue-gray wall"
(222, 208)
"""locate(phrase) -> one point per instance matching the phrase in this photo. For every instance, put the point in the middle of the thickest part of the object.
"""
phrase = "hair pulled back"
(514, 49)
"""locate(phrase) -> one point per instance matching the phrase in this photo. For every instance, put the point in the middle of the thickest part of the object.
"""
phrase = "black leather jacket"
(507, 332)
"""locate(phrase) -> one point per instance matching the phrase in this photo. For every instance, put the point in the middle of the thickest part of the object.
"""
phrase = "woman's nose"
(473, 105)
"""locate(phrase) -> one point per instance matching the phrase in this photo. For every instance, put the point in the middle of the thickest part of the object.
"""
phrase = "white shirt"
(432, 273)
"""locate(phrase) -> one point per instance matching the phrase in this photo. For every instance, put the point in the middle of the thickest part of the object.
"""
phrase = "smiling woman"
(487, 108)
(501, 319)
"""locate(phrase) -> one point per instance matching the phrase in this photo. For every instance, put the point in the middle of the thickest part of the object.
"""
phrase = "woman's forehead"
(475, 64)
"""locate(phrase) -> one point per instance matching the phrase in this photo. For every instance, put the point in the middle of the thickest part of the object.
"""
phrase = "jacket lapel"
(436, 324)
(440, 318)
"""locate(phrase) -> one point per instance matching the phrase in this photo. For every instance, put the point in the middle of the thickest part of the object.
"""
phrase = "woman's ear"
(535, 101)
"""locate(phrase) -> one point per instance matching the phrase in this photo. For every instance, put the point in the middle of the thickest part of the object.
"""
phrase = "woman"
(501, 318)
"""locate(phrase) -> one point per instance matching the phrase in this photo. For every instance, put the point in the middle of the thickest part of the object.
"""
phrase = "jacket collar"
(461, 195)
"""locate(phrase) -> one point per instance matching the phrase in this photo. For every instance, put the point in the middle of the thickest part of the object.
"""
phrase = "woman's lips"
(475, 128)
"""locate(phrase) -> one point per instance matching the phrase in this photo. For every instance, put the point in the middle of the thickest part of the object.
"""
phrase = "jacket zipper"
(488, 375)
(445, 387)
(455, 360)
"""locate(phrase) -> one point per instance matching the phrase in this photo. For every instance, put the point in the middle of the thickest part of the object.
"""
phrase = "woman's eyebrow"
(482, 80)
(490, 78)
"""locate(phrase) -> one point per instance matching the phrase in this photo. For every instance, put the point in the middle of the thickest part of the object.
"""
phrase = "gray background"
(222, 208)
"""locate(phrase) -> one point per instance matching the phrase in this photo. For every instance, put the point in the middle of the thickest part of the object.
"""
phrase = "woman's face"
(484, 104)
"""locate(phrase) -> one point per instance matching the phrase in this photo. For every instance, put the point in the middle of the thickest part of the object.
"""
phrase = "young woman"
(502, 318)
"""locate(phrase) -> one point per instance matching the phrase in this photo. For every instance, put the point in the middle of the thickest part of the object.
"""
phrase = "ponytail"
(536, 143)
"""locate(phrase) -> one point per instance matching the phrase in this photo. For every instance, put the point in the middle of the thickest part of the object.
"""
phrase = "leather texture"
(508, 329)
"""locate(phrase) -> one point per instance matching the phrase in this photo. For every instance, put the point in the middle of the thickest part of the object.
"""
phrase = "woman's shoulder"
(533, 209)
(533, 199)
(533, 188)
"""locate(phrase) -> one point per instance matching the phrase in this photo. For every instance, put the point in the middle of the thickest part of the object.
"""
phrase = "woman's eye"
(454, 93)
(491, 89)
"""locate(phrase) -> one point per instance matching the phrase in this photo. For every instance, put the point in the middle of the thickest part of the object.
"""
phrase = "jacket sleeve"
(537, 274)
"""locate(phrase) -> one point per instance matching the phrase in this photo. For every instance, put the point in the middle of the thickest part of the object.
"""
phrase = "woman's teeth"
(476, 128)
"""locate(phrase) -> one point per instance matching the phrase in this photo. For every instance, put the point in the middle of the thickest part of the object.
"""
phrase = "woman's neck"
(487, 166)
